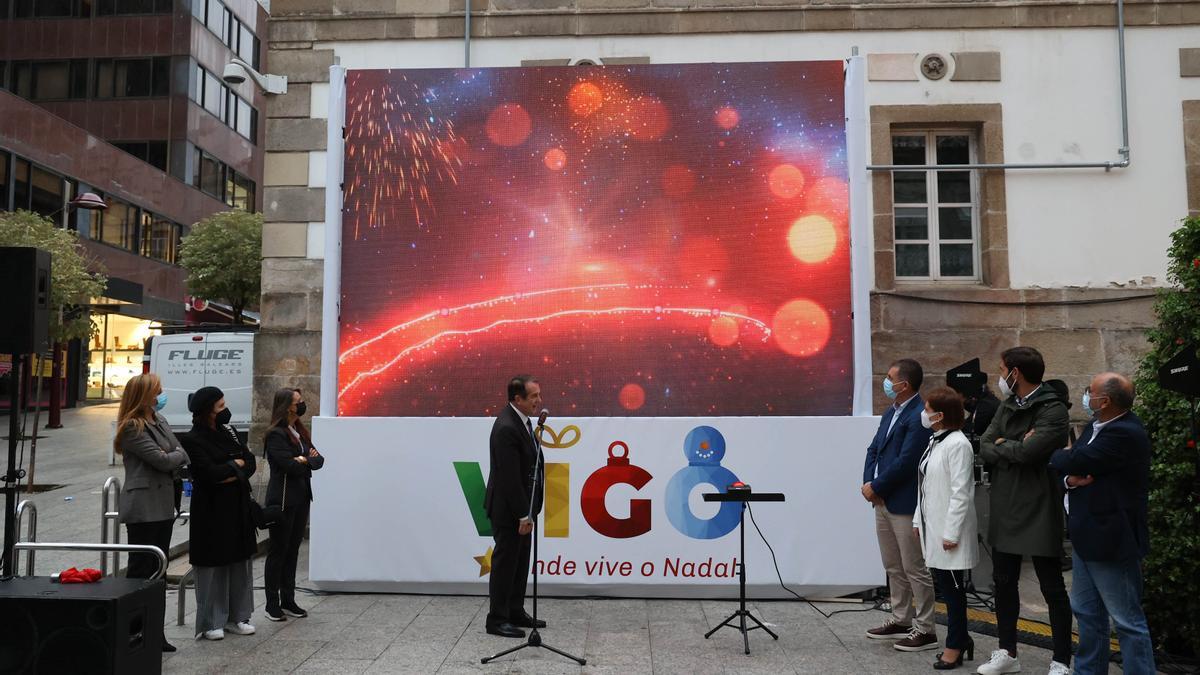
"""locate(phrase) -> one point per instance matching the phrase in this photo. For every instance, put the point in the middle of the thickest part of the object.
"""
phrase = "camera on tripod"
(970, 381)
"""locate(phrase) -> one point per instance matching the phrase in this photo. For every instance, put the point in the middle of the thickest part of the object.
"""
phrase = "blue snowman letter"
(703, 447)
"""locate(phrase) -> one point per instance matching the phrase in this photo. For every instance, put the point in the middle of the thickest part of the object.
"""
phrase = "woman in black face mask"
(223, 538)
(292, 458)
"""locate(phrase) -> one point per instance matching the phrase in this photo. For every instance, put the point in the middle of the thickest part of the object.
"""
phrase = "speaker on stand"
(25, 301)
(24, 329)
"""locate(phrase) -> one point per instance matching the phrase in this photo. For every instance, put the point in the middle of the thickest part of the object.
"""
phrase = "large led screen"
(654, 240)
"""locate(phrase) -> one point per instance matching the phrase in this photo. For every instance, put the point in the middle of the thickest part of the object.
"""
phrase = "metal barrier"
(30, 534)
(103, 548)
(114, 515)
(181, 601)
(181, 604)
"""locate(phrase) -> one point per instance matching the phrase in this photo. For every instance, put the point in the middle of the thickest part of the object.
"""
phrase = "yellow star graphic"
(485, 562)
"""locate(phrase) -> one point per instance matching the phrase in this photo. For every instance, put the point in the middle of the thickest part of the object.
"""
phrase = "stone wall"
(1079, 332)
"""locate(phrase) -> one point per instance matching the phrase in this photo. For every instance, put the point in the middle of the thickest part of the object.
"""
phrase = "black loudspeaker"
(114, 626)
(24, 300)
(1181, 373)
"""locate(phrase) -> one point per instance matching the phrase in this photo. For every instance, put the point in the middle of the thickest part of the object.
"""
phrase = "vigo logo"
(704, 448)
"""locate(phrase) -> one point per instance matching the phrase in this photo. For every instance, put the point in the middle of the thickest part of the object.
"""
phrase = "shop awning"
(118, 291)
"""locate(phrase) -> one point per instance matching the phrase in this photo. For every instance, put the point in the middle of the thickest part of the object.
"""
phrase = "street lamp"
(88, 201)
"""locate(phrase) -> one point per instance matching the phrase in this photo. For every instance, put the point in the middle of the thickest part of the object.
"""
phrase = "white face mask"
(926, 420)
(1005, 389)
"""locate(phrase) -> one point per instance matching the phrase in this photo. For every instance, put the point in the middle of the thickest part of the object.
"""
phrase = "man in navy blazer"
(890, 484)
(1107, 475)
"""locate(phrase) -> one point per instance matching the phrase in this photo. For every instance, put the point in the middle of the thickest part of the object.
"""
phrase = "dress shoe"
(168, 647)
(528, 622)
(506, 630)
(942, 664)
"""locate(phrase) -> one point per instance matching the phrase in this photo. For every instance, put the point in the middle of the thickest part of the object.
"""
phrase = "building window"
(228, 28)
(133, 78)
(118, 225)
(21, 184)
(46, 194)
(46, 9)
(127, 7)
(234, 111)
(935, 211)
(4, 160)
(153, 153)
(212, 176)
(160, 237)
(49, 80)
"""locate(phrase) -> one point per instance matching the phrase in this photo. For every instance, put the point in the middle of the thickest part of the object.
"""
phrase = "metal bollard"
(30, 534)
(181, 605)
(113, 515)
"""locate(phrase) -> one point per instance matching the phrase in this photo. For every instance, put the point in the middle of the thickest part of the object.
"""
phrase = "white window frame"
(933, 232)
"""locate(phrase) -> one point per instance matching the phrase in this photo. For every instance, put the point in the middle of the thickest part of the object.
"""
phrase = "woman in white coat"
(945, 517)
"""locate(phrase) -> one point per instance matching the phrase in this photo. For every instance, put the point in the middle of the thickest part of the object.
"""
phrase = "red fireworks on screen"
(396, 143)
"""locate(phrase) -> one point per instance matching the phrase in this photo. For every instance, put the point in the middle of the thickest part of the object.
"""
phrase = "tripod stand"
(535, 638)
(741, 614)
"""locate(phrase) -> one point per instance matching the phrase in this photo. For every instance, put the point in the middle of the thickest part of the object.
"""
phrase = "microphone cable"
(779, 575)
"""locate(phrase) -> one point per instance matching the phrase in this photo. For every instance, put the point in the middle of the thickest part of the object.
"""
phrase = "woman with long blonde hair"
(152, 457)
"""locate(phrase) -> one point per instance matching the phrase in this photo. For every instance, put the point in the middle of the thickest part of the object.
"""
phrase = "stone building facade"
(1064, 260)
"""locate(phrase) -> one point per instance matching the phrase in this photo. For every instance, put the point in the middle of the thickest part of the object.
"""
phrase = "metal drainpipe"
(467, 34)
(1107, 166)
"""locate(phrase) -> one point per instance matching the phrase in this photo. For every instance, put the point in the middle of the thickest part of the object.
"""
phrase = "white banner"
(399, 506)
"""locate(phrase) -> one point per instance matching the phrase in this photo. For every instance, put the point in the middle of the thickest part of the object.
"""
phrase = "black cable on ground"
(775, 561)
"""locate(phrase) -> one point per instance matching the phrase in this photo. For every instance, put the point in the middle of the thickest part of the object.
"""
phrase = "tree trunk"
(237, 315)
(56, 376)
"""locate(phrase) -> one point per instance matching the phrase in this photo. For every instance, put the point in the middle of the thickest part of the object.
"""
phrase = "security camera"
(238, 71)
(234, 74)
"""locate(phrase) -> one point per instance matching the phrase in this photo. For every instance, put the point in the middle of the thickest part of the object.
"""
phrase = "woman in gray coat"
(152, 456)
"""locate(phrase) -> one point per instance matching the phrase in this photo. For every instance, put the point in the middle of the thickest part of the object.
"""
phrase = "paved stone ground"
(375, 633)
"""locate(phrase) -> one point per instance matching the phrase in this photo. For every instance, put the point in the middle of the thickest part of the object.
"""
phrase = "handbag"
(263, 517)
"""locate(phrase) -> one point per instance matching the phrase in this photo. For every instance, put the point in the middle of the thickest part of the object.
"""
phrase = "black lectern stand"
(742, 613)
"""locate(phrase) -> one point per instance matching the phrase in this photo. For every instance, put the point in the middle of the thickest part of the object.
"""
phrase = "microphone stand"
(535, 638)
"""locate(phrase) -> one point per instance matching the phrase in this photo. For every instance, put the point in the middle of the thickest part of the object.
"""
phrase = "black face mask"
(225, 416)
(301, 408)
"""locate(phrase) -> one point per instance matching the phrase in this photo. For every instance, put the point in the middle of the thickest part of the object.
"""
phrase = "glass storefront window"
(115, 354)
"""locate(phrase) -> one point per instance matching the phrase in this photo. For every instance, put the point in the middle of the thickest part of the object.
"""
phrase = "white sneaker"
(1057, 668)
(240, 628)
(1001, 662)
(214, 634)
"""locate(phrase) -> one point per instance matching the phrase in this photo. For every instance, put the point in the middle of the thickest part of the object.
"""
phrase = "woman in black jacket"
(223, 541)
(292, 458)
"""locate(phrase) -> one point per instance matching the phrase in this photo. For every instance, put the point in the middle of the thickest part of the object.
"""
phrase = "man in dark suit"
(511, 503)
(890, 484)
(1107, 475)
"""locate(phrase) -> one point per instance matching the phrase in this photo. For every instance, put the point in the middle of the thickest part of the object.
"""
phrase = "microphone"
(542, 417)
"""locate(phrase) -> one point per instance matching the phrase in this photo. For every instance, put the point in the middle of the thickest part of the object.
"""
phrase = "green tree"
(71, 282)
(1172, 570)
(223, 259)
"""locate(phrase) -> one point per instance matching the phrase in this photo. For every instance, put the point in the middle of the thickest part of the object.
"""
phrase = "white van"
(187, 361)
